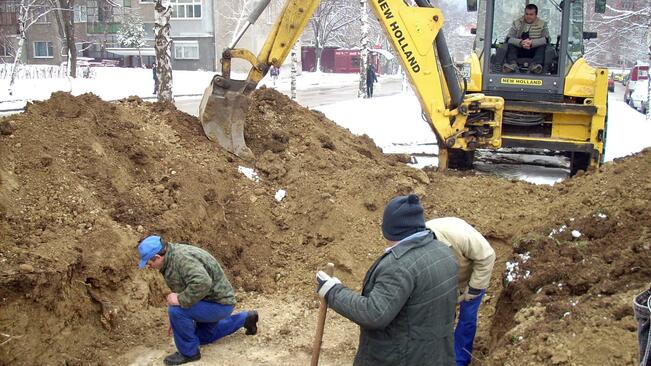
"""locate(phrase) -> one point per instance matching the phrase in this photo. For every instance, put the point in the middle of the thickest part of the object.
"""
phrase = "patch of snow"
(249, 173)
(280, 194)
(576, 234)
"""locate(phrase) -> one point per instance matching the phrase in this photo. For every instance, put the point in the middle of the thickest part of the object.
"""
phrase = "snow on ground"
(109, 83)
(628, 130)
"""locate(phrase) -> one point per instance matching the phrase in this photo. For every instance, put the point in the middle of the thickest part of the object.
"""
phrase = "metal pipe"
(448, 70)
(447, 65)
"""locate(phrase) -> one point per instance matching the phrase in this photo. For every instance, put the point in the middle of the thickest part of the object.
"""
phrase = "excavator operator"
(527, 38)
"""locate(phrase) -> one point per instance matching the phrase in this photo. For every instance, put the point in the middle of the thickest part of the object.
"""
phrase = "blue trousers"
(464, 334)
(203, 323)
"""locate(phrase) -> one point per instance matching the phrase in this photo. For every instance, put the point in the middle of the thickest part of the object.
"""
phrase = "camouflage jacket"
(195, 275)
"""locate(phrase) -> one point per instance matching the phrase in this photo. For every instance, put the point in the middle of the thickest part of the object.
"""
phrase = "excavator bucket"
(223, 112)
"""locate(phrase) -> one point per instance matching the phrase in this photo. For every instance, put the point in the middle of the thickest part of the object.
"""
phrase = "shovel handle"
(323, 311)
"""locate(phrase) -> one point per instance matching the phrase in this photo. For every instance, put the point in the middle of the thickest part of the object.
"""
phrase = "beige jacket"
(475, 255)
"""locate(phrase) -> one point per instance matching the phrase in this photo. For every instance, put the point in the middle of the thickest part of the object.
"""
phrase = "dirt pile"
(81, 180)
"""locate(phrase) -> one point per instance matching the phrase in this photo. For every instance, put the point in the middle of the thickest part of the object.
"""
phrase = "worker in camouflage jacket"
(406, 308)
(202, 298)
(476, 258)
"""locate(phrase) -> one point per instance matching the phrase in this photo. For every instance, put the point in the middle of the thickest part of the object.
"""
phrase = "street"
(313, 97)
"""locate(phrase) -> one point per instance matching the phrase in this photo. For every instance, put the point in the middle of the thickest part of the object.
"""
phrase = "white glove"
(325, 283)
(469, 294)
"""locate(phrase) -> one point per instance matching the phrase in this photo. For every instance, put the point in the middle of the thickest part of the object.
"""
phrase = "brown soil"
(81, 180)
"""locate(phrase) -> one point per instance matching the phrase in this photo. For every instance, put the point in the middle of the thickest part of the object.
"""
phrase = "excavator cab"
(559, 106)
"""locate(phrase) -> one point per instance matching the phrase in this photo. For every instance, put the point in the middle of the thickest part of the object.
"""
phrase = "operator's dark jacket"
(406, 310)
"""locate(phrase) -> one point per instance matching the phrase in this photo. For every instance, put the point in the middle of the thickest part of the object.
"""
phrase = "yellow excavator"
(462, 117)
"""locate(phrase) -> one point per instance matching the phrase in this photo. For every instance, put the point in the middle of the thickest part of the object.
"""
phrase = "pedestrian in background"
(371, 78)
(274, 72)
(202, 298)
(406, 308)
(155, 75)
(476, 258)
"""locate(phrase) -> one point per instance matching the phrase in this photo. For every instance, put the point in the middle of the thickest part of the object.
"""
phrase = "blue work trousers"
(202, 323)
(464, 334)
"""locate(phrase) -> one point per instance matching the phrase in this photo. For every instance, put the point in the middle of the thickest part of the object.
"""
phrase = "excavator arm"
(460, 122)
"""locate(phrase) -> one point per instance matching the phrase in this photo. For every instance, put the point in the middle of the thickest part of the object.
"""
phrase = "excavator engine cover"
(223, 112)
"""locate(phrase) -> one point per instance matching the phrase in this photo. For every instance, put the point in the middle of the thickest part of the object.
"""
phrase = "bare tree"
(66, 20)
(618, 29)
(363, 56)
(163, 48)
(29, 12)
(294, 71)
(328, 23)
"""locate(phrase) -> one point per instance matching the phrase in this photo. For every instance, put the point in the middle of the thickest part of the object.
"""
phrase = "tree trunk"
(648, 95)
(294, 71)
(142, 61)
(318, 51)
(363, 57)
(68, 16)
(163, 50)
(22, 22)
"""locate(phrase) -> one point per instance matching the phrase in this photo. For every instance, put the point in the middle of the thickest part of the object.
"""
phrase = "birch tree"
(163, 49)
(132, 33)
(363, 57)
(648, 91)
(29, 12)
(294, 71)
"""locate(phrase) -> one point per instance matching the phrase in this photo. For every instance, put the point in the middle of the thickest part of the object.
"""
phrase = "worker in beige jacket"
(476, 258)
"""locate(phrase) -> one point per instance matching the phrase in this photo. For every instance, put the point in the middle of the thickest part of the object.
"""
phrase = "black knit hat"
(403, 216)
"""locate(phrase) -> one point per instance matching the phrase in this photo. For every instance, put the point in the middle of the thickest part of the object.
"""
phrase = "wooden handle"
(323, 311)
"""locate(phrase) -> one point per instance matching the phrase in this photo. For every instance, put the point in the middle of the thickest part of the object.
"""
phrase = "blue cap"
(149, 247)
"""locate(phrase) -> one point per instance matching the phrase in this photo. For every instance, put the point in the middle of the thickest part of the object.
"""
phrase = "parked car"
(639, 72)
(611, 83)
(639, 96)
(619, 77)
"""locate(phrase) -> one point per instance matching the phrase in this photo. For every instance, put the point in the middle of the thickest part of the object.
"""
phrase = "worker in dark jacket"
(202, 298)
(370, 79)
(406, 309)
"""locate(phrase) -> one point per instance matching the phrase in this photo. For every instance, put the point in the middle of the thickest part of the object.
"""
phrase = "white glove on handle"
(469, 294)
(325, 283)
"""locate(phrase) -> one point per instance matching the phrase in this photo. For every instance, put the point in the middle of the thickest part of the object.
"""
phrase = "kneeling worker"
(528, 38)
(406, 308)
(476, 258)
(202, 300)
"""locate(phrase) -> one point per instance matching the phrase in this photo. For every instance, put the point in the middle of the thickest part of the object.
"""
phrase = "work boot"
(535, 68)
(251, 323)
(178, 359)
(509, 68)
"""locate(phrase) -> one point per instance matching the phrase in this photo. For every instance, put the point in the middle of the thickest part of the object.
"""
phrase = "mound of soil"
(82, 180)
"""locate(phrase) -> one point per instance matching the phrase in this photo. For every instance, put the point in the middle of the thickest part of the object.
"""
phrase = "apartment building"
(200, 30)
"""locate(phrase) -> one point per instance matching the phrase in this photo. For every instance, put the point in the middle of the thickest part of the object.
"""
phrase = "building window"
(81, 15)
(43, 50)
(126, 3)
(187, 50)
(186, 9)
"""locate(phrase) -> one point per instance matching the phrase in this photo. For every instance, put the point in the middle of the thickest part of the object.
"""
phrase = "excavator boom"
(460, 122)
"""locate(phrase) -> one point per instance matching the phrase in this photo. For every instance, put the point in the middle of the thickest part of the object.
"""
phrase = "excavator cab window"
(505, 13)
